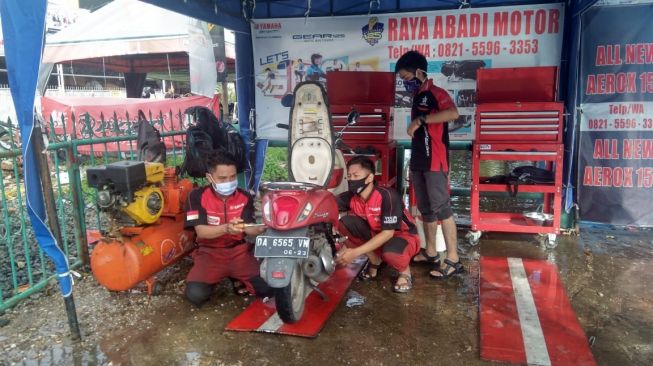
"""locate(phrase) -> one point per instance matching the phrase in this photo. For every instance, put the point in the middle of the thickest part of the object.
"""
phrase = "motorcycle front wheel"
(290, 299)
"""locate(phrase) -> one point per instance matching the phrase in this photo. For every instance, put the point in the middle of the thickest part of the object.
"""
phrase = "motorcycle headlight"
(266, 211)
(307, 210)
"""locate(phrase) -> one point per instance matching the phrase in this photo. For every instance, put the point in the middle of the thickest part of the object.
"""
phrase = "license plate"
(270, 246)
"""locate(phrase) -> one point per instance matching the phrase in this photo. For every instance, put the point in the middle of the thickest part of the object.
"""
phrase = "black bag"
(526, 174)
(150, 146)
(207, 135)
(529, 174)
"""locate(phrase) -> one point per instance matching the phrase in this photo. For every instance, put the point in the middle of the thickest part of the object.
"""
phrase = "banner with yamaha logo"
(615, 177)
(456, 43)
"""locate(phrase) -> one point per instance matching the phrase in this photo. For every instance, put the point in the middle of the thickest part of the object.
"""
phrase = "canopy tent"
(130, 36)
(23, 42)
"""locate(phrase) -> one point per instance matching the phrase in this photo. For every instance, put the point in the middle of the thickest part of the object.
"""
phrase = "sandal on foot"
(445, 272)
(434, 260)
(240, 289)
(403, 288)
(365, 274)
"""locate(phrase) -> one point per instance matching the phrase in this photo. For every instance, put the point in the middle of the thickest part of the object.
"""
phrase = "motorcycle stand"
(320, 292)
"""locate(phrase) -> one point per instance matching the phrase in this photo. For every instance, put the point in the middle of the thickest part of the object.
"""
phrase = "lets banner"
(615, 174)
(456, 43)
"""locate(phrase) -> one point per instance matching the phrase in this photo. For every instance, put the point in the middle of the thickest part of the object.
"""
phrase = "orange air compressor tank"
(138, 253)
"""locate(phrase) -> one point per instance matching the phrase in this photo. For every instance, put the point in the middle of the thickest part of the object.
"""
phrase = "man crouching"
(377, 225)
(215, 212)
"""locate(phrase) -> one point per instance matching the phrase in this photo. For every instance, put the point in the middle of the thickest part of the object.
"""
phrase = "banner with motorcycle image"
(456, 43)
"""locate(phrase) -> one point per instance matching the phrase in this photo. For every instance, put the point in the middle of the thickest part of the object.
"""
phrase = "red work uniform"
(430, 142)
(383, 210)
(429, 158)
(228, 255)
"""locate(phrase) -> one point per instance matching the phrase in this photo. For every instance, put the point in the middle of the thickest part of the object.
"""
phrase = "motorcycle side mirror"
(287, 100)
(352, 117)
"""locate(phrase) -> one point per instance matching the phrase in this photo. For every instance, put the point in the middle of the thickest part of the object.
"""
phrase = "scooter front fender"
(277, 272)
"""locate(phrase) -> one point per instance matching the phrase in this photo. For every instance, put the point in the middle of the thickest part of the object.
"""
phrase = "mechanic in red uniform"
(215, 212)
(377, 225)
(429, 167)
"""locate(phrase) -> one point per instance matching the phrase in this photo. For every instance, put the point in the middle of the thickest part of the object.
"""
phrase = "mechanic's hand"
(233, 227)
(414, 125)
(345, 256)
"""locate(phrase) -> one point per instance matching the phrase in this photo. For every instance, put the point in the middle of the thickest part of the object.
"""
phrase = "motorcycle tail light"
(307, 210)
(278, 275)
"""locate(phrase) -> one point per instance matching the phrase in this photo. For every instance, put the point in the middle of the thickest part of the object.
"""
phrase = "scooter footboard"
(277, 272)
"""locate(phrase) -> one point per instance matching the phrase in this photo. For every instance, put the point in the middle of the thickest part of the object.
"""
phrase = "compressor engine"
(129, 191)
(144, 202)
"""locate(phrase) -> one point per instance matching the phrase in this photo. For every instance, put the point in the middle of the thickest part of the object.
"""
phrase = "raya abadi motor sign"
(456, 43)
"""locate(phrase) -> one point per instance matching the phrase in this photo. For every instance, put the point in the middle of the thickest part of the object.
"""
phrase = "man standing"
(376, 225)
(217, 213)
(429, 167)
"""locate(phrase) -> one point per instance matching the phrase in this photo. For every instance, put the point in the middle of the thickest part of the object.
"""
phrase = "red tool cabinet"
(517, 120)
(372, 95)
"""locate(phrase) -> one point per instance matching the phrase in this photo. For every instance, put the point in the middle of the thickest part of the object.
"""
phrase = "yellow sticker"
(146, 251)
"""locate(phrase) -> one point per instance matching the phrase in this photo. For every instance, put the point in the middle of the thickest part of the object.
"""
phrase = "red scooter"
(299, 245)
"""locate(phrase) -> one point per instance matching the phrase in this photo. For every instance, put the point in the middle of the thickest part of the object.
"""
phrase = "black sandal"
(365, 273)
(432, 260)
(240, 289)
(456, 266)
(404, 288)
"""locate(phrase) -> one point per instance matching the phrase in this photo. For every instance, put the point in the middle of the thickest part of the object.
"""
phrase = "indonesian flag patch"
(192, 215)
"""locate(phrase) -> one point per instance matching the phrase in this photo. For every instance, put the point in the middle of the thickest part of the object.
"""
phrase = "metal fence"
(72, 146)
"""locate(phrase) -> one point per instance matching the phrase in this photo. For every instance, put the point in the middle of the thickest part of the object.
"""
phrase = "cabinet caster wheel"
(473, 237)
(551, 241)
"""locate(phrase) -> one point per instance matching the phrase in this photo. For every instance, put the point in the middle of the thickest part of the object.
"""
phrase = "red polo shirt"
(430, 142)
(205, 207)
(383, 210)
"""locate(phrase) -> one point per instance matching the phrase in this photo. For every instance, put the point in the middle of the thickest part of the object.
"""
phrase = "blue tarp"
(23, 28)
(571, 42)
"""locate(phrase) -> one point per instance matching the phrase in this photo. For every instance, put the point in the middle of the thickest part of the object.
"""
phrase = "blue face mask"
(225, 189)
(412, 85)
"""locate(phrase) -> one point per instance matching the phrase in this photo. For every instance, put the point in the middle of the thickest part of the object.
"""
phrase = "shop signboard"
(456, 43)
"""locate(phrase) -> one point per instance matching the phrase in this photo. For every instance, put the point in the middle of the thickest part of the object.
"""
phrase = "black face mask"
(357, 186)
(412, 85)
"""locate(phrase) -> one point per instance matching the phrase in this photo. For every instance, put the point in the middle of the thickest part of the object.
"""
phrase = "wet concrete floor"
(607, 275)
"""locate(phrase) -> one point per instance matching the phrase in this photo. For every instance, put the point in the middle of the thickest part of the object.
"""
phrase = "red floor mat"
(262, 317)
(526, 317)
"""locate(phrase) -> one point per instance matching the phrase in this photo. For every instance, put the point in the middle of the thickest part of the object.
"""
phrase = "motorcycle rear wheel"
(290, 299)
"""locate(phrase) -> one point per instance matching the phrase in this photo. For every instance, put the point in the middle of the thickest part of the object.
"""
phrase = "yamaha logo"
(267, 26)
